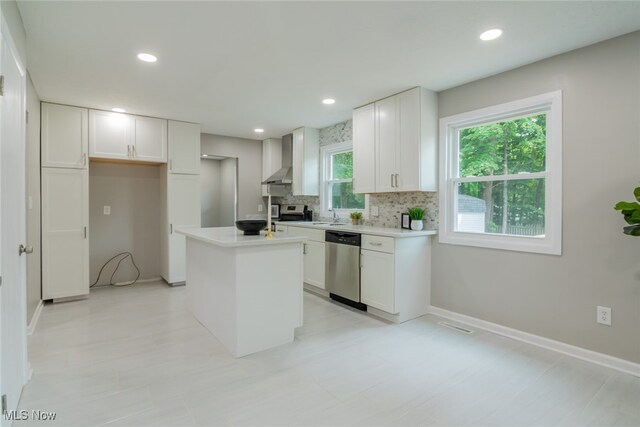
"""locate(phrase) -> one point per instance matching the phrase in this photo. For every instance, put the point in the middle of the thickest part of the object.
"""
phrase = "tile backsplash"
(390, 205)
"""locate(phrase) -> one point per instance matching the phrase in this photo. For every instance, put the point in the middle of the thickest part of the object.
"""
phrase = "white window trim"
(325, 154)
(551, 243)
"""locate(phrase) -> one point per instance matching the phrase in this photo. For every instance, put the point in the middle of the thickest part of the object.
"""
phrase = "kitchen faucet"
(335, 217)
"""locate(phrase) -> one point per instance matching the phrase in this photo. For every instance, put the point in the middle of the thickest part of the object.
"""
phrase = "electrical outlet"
(106, 210)
(374, 211)
(260, 207)
(604, 315)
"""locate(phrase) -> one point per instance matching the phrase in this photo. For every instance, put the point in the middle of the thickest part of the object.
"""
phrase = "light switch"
(106, 210)
(260, 208)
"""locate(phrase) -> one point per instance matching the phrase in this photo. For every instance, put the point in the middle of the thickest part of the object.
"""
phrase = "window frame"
(549, 103)
(326, 152)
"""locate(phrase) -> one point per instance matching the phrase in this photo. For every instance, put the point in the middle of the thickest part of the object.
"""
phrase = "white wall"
(34, 277)
(556, 296)
(133, 192)
(249, 154)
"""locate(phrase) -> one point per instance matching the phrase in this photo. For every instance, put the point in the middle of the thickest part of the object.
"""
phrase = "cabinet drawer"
(311, 233)
(377, 243)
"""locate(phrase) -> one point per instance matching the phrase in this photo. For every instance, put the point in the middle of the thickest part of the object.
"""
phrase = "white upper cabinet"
(110, 135)
(364, 174)
(184, 148)
(271, 161)
(150, 139)
(120, 136)
(306, 162)
(65, 136)
(405, 137)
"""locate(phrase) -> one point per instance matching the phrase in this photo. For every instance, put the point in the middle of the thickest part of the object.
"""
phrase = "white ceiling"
(234, 66)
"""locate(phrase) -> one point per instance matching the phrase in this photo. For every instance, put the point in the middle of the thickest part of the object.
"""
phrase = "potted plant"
(355, 217)
(631, 213)
(417, 215)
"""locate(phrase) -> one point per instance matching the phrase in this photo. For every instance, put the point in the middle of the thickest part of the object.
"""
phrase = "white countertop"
(232, 237)
(376, 231)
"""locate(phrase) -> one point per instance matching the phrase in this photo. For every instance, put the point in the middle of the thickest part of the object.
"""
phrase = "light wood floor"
(136, 357)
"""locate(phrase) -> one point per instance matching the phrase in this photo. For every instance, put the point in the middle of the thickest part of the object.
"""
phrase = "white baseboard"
(35, 318)
(560, 347)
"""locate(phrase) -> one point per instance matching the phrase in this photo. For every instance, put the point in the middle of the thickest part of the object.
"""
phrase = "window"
(501, 176)
(337, 178)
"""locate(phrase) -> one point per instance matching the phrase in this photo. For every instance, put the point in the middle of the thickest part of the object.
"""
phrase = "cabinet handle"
(85, 232)
(128, 151)
(170, 165)
(396, 175)
(392, 180)
(170, 228)
(135, 152)
(84, 159)
(304, 248)
(375, 243)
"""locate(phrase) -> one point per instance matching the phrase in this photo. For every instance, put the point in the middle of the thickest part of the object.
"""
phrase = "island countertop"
(232, 237)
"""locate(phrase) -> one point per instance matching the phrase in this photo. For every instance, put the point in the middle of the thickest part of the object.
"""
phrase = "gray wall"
(249, 154)
(556, 296)
(133, 192)
(34, 277)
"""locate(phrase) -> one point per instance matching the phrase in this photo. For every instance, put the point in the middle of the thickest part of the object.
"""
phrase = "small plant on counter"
(417, 215)
(356, 217)
(631, 213)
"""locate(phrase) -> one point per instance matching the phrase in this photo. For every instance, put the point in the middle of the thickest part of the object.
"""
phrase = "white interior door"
(13, 322)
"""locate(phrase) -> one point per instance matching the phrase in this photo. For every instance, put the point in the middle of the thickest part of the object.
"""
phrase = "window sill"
(539, 245)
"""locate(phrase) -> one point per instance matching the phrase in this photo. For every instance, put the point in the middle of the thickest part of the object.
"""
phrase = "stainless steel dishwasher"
(342, 267)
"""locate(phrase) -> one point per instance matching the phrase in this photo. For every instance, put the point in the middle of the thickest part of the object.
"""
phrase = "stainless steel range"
(295, 213)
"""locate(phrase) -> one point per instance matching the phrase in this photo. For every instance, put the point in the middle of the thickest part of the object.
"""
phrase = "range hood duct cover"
(285, 174)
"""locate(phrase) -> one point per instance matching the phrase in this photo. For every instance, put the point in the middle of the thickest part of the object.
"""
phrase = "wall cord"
(126, 255)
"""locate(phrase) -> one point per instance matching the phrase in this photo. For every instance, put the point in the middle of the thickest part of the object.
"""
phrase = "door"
(184, 147)
(183, 199)
(64, 136)
(314, 256)
(377, 280)
(65, 242)
(386, 144)
(150, 136)
(364, 149)
(13, 319)
(410, 141)
(110, 135)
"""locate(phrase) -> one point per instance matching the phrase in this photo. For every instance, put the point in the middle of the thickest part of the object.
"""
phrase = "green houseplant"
(631, 213)
(355, 217)
(417, 215)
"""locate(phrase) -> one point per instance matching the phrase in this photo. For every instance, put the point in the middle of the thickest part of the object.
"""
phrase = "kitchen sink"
(337, 225)
(319, 223)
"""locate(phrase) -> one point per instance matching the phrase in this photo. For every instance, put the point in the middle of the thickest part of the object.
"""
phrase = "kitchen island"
(246, 290)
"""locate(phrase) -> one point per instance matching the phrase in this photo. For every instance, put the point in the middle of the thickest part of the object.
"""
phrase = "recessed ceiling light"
(119, 110)
(147, 57)
(258, 130)
(328, 101)
(491, 34)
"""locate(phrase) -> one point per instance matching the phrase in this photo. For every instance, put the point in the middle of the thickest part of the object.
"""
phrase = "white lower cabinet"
(180, 196)
(314, 258)
(377, 280)
(314, 255)
(65, 242)
(395, 276)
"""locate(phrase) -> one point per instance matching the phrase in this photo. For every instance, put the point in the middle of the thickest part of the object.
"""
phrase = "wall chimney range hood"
(285, 174)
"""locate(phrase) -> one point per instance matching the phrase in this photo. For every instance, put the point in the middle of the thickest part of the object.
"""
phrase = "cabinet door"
(184, 147)
(386, 143)
(377, 280)
(65, 136)
(150, 136)
(364, 149)
(306, 162)
(271, 163)
(409, 143)
(183, 200)
(65, 243)
(314, 258)
(110, 135)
